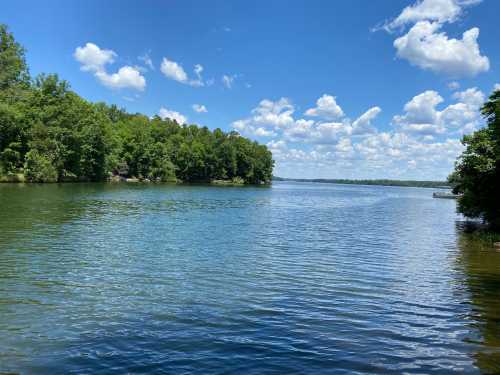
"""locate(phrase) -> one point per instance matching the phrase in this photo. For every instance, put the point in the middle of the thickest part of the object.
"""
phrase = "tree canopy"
(477, 171)
(48, 133)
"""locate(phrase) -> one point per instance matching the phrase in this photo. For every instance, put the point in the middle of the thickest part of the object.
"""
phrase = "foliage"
(39, 168)
(477, 172)
(13, 69)
(48, 133)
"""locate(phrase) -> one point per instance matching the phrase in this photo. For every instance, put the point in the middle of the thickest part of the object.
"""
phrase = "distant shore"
(381, 182)
(19, 178)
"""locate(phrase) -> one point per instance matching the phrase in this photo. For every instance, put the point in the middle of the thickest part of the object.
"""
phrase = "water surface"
(297, 278)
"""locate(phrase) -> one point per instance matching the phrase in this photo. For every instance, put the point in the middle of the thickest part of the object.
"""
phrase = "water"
(297, 278)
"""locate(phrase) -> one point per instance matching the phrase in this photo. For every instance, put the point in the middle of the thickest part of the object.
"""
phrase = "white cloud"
(422, 117)
(363, 123)
(496, 87)
(228, 80)
(262, 132)
(344, 148)
(93, 59)
(299, 130)
(472, 97)
(329, 132)
(172, 115)
(274, 114)
(176, 72)
(173, 70)
(198, 69)
(277, 145)
(432, 10)
(268, 114)
(200, 108)
(326, 107)
(421, 109)
(126, 77)
(424, 46)
(424, 142)
(277, 117)
(454, 85)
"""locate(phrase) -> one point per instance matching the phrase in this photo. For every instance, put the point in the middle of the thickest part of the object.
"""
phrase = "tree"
(13, 68)
(48, 133)
(477, 171)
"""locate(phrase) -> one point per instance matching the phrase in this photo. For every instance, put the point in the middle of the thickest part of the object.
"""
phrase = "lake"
(303, 278)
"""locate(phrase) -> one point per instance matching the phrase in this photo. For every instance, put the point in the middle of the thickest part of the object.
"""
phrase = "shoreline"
(133, 180)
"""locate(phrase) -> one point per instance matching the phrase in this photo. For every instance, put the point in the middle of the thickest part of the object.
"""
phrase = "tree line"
(381, 182)
(48, 133)
(477, 172)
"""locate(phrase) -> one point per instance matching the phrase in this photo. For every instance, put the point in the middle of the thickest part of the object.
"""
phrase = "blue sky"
(354, 89)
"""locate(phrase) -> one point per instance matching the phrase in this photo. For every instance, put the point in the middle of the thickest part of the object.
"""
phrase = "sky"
(335, 89)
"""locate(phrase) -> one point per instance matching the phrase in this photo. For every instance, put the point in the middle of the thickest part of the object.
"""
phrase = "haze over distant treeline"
(48, 133)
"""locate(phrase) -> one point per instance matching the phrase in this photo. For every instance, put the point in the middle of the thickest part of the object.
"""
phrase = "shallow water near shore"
(295, 278)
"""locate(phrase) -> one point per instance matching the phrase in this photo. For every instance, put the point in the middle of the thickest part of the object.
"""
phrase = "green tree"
(49, 133)
(477, 171)
(13, 68)
(39, 168)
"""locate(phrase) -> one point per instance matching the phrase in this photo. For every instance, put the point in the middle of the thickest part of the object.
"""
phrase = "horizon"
(305, 79)
(357, 179)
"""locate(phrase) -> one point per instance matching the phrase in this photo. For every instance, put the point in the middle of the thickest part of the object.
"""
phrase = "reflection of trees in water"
(25, 207)
(481, 266)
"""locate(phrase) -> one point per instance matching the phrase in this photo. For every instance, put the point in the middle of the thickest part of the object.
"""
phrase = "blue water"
(297, 278)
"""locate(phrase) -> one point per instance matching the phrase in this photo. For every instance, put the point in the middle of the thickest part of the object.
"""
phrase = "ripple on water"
(297, 278)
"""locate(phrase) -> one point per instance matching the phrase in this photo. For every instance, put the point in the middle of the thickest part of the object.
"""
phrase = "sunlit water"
(297, 278)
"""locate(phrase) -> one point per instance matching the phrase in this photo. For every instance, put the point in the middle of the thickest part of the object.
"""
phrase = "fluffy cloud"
(176, 72)
(200, 108)
(472, 97)
(363, 123)
(270, 115)
(326, 107)
(172, 115)
(126, 77)
(173, 70)
(425, 45)
(272, 118)
(427, 48)
(423, 144)
(387, 154)
(432, 10)
(299, 130)
(496, 87)
(422, 117)
(94, 59)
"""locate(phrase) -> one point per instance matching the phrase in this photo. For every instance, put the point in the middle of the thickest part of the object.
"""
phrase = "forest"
(48, 133)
